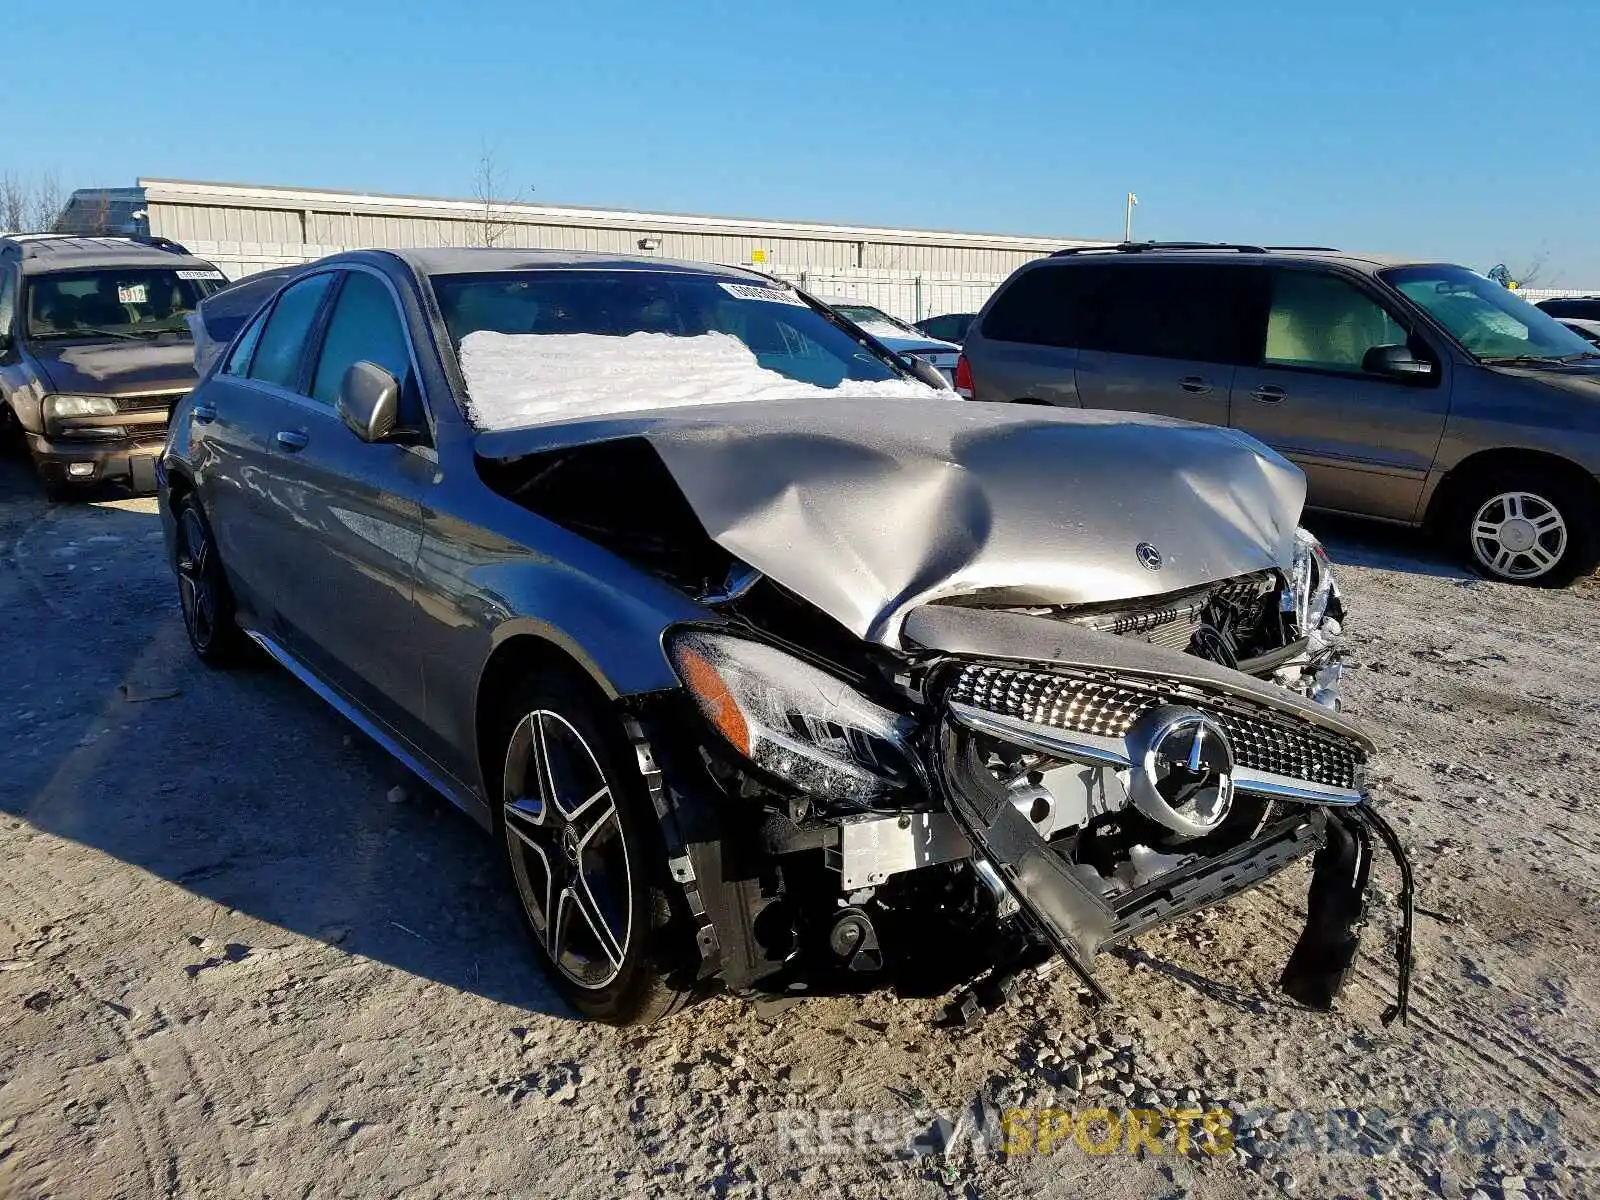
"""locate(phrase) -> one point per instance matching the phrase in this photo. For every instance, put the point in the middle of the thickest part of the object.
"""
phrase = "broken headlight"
(798, 722)
(1313, 594)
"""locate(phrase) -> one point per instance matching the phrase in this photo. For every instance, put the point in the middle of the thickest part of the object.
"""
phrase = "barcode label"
(201, 275)
(747, 291)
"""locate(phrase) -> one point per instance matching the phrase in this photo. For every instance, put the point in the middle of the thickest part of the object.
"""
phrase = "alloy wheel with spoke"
(196, 588)
(568, 853)
(1518, 535)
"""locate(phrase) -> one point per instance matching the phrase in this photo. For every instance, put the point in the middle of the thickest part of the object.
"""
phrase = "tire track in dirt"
(165, 1156)
(1545, 1064)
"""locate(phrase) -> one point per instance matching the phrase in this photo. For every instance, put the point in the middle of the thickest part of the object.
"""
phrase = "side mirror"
(369, 401)
(925, 371)
(1396, 362)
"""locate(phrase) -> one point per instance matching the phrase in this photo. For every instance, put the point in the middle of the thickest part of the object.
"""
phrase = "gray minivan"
(1411, 392)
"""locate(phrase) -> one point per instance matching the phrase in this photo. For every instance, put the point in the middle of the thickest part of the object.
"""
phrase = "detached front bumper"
(1079, 921)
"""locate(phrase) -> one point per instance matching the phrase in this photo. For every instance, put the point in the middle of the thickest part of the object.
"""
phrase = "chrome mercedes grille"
(1107, 704)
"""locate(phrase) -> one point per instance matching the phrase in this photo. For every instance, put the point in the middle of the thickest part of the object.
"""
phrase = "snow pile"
(518, 379)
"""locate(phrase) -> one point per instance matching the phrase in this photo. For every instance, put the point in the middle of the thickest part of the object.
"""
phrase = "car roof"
(43, 252)
(474, 260)
(1230, 252)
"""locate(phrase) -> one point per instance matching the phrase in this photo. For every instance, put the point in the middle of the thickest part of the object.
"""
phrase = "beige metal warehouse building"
(912, 273)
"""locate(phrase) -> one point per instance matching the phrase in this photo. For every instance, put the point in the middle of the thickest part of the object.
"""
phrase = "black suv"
(1581, 308)
(95, 349)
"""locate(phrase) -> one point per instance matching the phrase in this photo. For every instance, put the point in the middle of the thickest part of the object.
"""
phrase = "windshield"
(116, 302)
(536, 346)
(1491, 322)
(874, 320)
(782, 331)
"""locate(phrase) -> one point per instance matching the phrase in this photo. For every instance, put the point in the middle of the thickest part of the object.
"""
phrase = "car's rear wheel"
(1528, 528)
(203, 594)
(587, 857)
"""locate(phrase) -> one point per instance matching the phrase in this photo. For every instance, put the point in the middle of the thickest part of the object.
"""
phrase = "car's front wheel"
(203, 594)
(587, 857)
(1527, 528)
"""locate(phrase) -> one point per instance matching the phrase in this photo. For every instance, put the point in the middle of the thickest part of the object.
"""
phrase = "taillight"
(964, 377)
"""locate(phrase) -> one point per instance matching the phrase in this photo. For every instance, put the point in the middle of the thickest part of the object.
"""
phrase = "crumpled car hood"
(869, 508)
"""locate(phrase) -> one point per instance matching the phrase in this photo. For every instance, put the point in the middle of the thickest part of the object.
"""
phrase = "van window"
(1199, 313)
(1043, 306)
(1322, 322)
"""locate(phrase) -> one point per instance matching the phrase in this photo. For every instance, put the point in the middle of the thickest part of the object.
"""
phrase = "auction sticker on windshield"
(201, 275)
(132, 293)
(745, 291)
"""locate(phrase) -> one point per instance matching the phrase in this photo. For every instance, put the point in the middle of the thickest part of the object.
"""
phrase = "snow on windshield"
(518, 379)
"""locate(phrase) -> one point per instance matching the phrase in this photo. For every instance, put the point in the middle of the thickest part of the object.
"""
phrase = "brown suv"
(1417, 393)
(95, 349)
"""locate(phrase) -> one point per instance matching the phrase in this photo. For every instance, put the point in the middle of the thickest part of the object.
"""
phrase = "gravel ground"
(242, 955)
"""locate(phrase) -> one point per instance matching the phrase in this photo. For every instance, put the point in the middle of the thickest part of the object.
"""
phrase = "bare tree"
(1535, 272)
(49, 201)
(489, 190)
(14, 204)
(31, 206)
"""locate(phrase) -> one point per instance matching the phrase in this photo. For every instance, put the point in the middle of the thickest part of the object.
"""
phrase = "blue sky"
(1464, 130)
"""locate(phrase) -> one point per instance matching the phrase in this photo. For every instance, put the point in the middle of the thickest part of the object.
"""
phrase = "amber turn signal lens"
(714, 699)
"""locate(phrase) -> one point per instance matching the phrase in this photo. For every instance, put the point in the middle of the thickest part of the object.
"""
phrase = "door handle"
(1269, 393)
(1194, 385)
(292, 440)
(204, 414)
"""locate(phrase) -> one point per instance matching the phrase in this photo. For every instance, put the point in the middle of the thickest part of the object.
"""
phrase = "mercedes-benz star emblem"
(1182, 770)
(1149, 557)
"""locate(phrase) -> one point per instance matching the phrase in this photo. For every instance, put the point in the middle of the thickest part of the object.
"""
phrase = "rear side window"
(8, 301)
(1199, 313)
(1043, 307)
(283, 340)
(365, 327)
(239, 361)
(1322, 322)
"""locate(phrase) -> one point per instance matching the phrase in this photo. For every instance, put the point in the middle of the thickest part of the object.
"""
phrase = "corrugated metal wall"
(910, 273)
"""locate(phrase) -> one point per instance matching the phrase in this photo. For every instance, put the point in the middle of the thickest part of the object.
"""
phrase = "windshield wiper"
(1582, 354)
(91, 330)
(1518, 359)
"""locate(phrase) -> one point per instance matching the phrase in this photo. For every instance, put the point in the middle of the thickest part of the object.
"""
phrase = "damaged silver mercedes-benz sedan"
(768, 660)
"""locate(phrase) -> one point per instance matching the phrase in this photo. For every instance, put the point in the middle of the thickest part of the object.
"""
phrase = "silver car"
(768, 663)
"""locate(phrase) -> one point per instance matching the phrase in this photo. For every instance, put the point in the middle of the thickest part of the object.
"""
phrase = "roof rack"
(1329, 249)
(1142, 247)
(159, 243)
(20, 243)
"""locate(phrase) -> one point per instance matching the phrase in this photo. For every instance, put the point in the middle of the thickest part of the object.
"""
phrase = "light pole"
(1127, 220)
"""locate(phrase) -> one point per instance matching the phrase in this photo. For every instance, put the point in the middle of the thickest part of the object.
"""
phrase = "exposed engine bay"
(1024, 776)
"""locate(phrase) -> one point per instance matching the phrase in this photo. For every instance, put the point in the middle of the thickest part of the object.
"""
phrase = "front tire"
(203, 593)
(1517, 527)
(587, 858)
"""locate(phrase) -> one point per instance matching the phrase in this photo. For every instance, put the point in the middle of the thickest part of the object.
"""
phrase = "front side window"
(365, 327)
(120, 302)
(1491, 322)
(283, 340)
(1321, 322)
